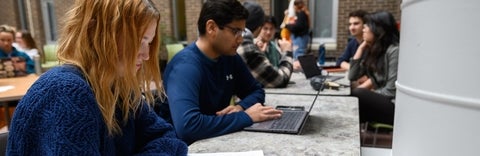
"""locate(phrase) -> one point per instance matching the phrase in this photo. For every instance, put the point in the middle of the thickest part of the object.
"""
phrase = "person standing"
(299, 31)
(202, 78)
(97, 102)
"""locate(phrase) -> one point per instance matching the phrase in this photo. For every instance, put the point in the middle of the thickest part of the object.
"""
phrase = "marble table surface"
(301, 86)
(332, 129)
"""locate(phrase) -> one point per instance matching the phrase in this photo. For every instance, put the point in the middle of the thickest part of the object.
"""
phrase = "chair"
(51, 60)
(366, 134)
(3, 143)
(378, 126)
(173, 49)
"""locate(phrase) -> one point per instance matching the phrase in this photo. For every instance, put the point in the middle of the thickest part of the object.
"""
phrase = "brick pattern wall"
(9, 13)
(192, 11)
(10, 16)
(347, 6)
(36, 19)
(193, 8)
(61, 8)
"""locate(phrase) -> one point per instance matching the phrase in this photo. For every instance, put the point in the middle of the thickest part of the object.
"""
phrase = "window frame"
(333, 38)
(49, 21)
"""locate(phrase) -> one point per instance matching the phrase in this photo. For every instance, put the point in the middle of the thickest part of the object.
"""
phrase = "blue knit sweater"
(60, 116)
(198, 86)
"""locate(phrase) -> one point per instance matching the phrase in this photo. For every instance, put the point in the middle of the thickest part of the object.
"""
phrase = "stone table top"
(332, 129)
(301, 86)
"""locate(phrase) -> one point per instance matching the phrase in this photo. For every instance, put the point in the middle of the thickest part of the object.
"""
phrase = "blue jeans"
(299, 45)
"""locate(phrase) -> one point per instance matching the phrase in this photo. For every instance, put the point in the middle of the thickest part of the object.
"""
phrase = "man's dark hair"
(358, 13)
(256, 15)
(222, 12)
(271, 20)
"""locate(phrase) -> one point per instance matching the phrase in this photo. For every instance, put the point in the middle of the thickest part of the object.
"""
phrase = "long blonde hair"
(102, 36)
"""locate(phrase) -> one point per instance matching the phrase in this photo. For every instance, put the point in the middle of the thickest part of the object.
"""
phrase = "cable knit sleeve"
(57, 116)
(156, 135)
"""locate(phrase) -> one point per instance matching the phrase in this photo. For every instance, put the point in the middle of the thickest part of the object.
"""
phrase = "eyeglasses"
(237, 32)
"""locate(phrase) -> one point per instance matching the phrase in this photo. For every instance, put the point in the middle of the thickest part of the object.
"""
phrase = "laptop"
(12, 67)
(292, 121)
(310, 68)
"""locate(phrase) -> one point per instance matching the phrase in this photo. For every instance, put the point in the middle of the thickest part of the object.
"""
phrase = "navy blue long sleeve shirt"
(350, 50)
(197, 87)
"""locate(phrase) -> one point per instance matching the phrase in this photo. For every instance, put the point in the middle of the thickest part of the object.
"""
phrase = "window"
(22, 14)
(324, 18)
(179, 20)
(50, 25)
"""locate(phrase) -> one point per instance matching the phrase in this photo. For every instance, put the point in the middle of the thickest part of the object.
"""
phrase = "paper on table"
(5, 88)
(247, 153)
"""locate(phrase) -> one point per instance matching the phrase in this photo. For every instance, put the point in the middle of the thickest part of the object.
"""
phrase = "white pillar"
(438, 88)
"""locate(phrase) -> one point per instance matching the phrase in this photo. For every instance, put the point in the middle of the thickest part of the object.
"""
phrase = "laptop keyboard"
(288, 120)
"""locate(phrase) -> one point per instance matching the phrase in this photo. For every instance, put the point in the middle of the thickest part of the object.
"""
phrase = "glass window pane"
(322, 19)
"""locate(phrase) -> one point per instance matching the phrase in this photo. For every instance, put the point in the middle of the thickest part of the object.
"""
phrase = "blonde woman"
(94, 103)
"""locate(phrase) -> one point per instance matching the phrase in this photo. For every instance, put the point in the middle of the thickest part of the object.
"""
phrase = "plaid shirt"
(261, 68)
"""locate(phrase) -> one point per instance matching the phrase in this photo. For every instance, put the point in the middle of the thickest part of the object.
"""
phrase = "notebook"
(292, 121)
(310, 68)
(12, 67)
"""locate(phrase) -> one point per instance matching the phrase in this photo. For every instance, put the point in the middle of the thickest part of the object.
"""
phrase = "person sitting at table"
(7, 36)
(380, 46)
(356, 20)
(270, 64)
(202, 78)
(27, 44)
(97, 102)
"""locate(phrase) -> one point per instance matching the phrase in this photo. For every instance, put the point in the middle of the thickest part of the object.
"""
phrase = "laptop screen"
(309, 66)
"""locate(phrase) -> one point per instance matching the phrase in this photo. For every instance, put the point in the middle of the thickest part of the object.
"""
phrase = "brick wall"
(192, 11)
(37, 29)
(9, 13)
(10, 16)
(347, 6)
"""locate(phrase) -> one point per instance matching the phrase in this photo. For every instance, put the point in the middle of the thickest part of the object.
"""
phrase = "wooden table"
(14, 89)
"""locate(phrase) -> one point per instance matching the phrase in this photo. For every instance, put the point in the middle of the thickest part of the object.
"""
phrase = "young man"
(356, 19)
(268, 64)
(202, 78)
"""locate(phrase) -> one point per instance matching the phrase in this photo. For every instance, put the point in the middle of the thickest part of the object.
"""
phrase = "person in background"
(7, 36)
(27, 44)
(268, 62)
(356, 19)
(380, 63)
(299, 31)
(202, 78)
(98, 101)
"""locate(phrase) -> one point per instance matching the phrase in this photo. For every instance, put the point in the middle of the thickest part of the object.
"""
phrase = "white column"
(438, 88)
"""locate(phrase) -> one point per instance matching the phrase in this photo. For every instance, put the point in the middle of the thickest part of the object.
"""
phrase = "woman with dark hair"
(380, 46)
